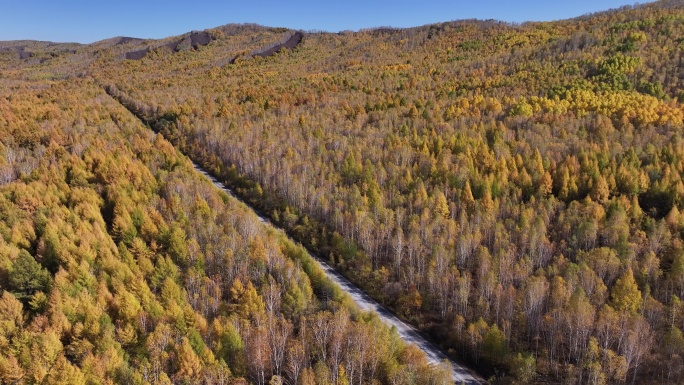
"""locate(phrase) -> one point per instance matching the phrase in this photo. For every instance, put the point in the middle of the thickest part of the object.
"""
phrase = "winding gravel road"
(460, 374)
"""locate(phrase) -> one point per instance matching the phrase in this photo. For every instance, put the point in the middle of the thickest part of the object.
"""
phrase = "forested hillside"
(513, 190)
(119, 264)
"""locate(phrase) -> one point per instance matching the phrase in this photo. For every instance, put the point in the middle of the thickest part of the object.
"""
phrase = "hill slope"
(514, 190)
(119, 263)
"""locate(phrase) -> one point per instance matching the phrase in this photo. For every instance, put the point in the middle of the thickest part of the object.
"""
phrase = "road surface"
(409, 334)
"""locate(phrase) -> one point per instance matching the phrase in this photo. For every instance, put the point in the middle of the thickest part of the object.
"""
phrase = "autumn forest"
(514, 191)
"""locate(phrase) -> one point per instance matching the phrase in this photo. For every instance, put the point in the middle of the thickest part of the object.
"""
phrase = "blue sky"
(87, 21)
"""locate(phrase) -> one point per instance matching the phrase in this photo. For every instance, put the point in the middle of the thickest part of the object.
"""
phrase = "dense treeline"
(514, 190)
(120, 264)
